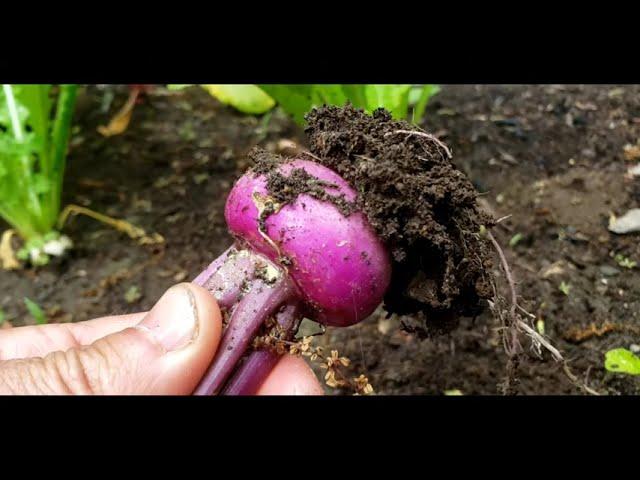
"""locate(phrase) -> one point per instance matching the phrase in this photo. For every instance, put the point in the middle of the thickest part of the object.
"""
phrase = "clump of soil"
(418, 202)
(284, 189)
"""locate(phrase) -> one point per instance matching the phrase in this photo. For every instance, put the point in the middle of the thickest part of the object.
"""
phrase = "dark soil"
(286, 188)
(419, 203)
(551, 156)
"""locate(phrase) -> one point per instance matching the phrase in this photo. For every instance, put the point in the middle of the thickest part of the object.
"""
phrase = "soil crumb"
(418, 202)
(284, 189)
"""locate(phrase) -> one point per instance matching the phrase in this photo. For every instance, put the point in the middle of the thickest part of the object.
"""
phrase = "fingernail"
(173, 321)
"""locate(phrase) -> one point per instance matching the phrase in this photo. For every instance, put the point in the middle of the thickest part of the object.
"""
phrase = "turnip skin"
(339, 266)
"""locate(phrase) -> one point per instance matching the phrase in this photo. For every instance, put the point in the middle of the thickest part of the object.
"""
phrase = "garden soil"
(551, 157)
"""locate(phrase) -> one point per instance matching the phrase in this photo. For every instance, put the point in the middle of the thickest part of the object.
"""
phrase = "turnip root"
(306, 257)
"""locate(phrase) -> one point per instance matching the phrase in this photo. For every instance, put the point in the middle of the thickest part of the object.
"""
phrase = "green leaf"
(3, 316)
(60, 134)
(565, 288)
(245, 98)
(296, 100)
(515, 240)
(329, 95)
(35, 311)
(5, 116)
(9, 147)
(36, 100)
(625, 262)
(425, 93)
(622, 360)
(394, 98)
(356, 95)
(41, 184)
(415, 94)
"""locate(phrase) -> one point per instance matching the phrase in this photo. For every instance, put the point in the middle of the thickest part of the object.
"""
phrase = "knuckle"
(35, 376)
(12, 381)
(107, 366)
(72, 374)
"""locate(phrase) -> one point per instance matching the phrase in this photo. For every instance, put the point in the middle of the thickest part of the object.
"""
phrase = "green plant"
(36, 312)
(565, 288)
(625, 262)
(515, 240)
(33, 146)
(621, 360)
(297, 100)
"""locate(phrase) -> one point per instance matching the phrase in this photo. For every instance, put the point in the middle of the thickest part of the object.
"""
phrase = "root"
(514, 321)
(131, 230)
(513, 324)
(574, 379)
(120, 121)
(430, 137)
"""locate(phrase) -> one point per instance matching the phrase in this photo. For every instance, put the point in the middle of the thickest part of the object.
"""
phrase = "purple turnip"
(308, 256)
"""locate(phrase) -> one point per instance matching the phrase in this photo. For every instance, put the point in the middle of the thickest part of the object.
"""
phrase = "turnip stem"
(213, 267)
(229, 274)
(262, 300)
(256, 368)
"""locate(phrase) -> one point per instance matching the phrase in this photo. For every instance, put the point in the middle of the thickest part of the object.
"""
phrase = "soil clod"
(418, 202)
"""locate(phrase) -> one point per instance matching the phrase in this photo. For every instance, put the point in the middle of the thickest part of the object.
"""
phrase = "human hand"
(161, 352)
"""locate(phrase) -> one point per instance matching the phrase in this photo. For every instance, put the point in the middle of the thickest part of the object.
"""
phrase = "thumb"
(166, 353)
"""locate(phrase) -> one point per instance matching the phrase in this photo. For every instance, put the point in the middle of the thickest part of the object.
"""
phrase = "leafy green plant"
(621, 360)
(246, 98)
(515, 240)
(36, 312)
(33, 146)
(297, 100)
(625, 262)
(565, 288)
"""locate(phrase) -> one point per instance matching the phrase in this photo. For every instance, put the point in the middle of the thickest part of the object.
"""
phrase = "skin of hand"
(164, 351)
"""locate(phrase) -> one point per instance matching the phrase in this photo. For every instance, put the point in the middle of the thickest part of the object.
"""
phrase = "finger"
(167, 352)
(40, 340)
(291, 376)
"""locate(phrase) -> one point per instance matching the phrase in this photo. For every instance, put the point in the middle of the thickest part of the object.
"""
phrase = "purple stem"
(227, 275)
(213, 267)
(247, 317)
(256, 368)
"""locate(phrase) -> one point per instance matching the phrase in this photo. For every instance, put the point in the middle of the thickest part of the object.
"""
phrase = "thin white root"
(430, 137)
(514, 320)
(538, 341)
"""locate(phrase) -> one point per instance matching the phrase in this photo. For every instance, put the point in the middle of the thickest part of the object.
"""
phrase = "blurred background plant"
(403, 101)
(33, 147)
